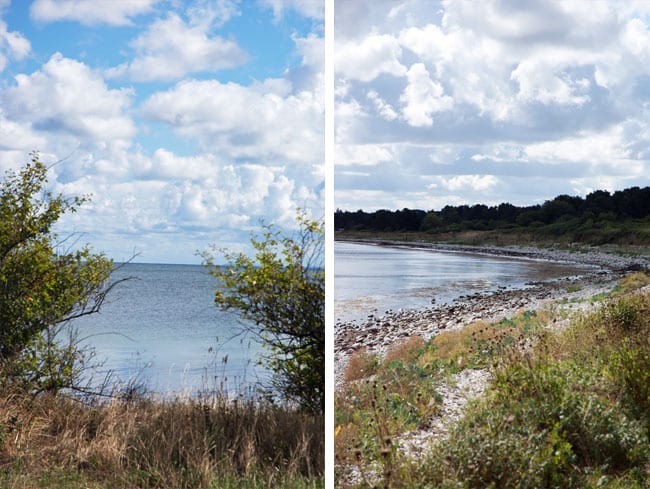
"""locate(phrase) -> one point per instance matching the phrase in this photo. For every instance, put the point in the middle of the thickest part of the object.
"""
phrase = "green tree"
(42, 286)
(431, 221)
(282, 291)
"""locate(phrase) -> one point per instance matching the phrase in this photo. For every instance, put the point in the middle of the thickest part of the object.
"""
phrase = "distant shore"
(382, 329)
(583, 254)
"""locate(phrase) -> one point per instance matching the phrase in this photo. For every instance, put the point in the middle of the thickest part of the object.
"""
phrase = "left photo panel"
(162, 243)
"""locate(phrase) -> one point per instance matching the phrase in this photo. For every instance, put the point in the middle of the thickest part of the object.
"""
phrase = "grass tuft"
(57, 441)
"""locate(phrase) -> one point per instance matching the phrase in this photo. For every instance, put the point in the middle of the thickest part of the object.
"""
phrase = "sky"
(188, 122)
(466, 102)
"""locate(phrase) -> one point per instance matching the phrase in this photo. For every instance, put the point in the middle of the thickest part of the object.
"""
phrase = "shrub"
(541, 425)
(282, 291)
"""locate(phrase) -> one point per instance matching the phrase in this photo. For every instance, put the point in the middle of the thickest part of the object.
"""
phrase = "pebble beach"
(381, 329)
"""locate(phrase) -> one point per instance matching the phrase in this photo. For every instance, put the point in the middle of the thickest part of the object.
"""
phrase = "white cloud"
(496, 93)
(179, 194)
(306, 8)
(544, 79)
(363, 154)
(365, 60)
(430, 43)
(596, 148)
(466, 183)
(384, 109)
(170, 49)
(423, 97)
(211, 12)
(239, 152)
(13, 45)
(443, 154)
(16, 135)
(259, 121)
(65, 97)
(114, 12)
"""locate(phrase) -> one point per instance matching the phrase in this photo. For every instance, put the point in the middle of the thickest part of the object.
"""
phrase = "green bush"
(629, 367)
(540, 427)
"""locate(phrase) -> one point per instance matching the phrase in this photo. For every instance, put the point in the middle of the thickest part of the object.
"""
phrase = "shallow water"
(162, 327)
(371, 278)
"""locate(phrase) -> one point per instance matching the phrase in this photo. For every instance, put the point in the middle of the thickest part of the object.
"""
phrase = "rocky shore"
(382, 329)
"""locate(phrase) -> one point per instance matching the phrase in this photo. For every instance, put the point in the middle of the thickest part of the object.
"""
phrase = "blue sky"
(463, 102)
(187, 121)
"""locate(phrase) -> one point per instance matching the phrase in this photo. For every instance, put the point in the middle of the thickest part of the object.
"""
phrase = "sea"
(372, 278)
(161, 329)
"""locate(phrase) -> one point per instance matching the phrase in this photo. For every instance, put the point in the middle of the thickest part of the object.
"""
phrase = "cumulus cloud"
(173, 166)
(259, 121)
(90, 13)
(423, 97)
(171, 48)
(13, 45)
(552, 91)
(365, 60)
(67, 97)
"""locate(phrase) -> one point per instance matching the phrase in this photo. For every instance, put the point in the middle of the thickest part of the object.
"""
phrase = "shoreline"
(377, 333)
(584, 254)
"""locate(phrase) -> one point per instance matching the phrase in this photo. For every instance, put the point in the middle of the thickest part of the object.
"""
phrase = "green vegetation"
(600, 218)
(42, 286)
(282, 290)
(55, 432)
(566, 408)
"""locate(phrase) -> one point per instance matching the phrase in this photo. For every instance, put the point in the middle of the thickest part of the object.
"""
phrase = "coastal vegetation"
(62, 427)
(282, 291)
(62, 441)
(42, 285)
(622, 218)
(567, 403)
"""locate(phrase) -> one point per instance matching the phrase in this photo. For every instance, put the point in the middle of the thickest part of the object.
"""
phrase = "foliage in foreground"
(42, 286)
(282, 290)
(57, 441)
(566, 409)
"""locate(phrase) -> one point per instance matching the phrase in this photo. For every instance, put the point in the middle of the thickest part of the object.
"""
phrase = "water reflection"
(369, 277)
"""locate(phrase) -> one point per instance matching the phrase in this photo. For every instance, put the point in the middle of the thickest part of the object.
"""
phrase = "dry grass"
(406, 350)
(169, 443)
(624, 317)
(360, 365)
(633, 281)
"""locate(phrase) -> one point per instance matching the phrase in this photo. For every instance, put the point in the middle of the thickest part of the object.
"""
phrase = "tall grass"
(58, 441)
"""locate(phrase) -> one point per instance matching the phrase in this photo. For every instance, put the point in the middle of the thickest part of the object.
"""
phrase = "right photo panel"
(492, 232)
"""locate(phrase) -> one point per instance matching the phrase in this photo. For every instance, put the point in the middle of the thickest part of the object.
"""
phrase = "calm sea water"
(371, 277)
(162, 327)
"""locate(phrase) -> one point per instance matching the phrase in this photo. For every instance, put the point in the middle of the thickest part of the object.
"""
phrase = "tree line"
(599, 206)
